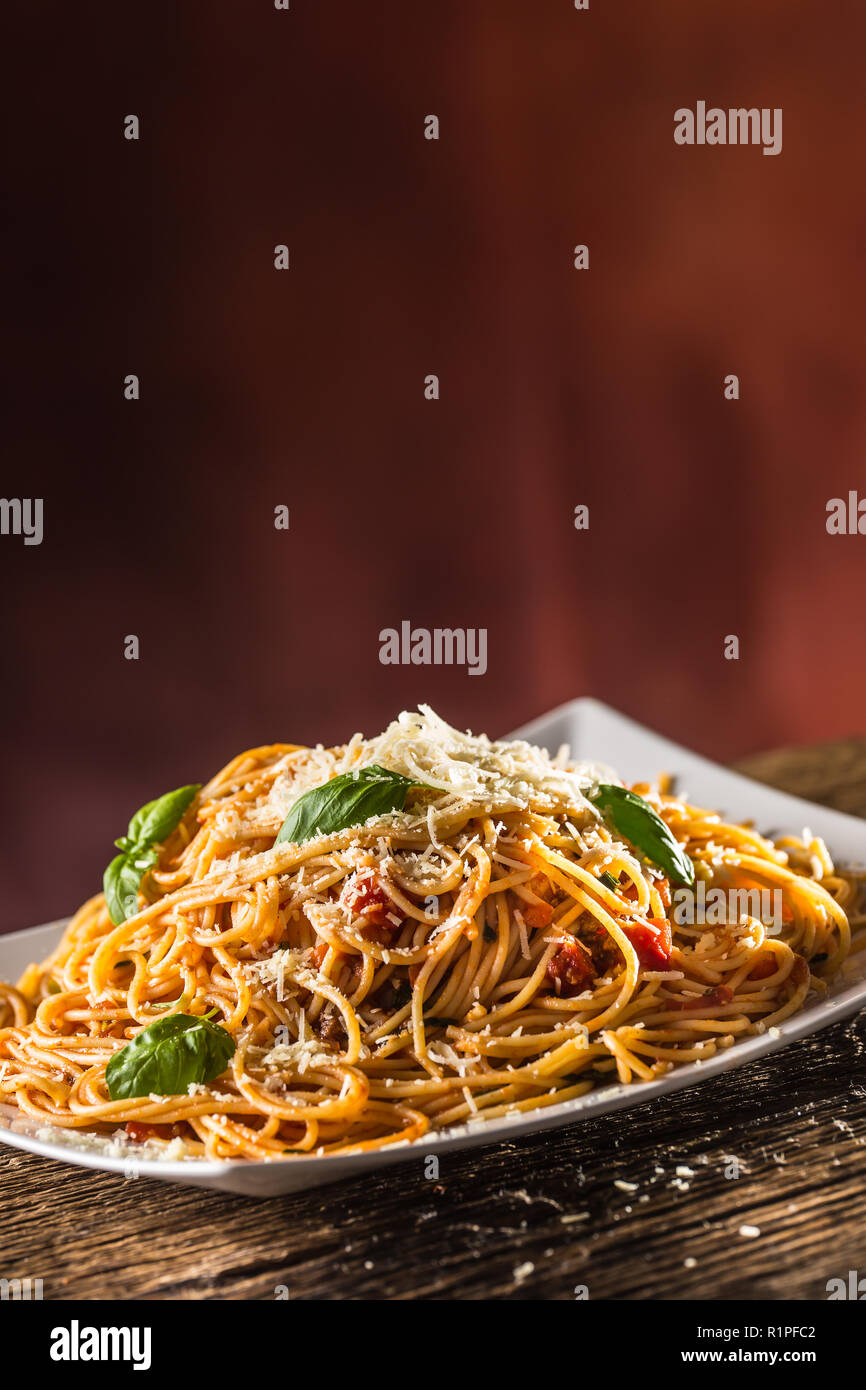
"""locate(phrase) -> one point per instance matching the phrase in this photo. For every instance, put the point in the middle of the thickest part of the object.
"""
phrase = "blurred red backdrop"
(409, 257)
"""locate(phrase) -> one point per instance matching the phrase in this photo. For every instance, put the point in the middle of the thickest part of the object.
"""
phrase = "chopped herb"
(401, 993)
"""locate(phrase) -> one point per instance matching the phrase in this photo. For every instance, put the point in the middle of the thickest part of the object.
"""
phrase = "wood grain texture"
(832, 773)
(535, 1218)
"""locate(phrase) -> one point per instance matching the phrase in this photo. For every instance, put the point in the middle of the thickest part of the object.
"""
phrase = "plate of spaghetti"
(329, 959)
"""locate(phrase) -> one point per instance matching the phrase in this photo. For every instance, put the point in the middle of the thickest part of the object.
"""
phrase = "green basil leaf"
(349, 799)
(149, 826)
(122, 879)
(609, 881)
(157, 819)
(167, 1056)
(636, 821)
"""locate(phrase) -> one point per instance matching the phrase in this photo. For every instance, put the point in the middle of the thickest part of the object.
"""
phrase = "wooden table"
(530, 1219)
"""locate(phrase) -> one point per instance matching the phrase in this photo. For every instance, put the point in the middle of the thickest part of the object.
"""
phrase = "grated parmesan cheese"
(297, 1056)
(504, 776)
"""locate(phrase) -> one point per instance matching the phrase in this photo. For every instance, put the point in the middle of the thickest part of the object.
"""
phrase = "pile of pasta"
(491, 949)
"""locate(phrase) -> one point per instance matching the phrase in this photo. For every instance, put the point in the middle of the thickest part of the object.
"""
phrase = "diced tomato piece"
(365, 896)
(571, 969)
(652, 940)
(719, 994)
(662, 886)
(139, 1132)
(318, 953)
(765, 965)
(537, 916)
(663, 889)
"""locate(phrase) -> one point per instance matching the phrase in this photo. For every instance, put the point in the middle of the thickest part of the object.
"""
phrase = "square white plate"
(595, 733)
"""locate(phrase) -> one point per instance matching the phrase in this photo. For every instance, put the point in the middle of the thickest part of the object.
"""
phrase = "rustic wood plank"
(832, 773)
(530, 1219)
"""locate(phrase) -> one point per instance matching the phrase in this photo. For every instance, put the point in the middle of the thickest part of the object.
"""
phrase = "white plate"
(595, 733)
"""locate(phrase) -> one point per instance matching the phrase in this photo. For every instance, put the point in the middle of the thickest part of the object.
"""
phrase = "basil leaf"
(167, 1056)
(122, 879)
(609, 881)
(152, 824)
(636, 821)
(157, 819)
(349, 799)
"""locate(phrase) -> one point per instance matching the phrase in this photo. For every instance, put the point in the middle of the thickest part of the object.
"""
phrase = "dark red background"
(306, 387)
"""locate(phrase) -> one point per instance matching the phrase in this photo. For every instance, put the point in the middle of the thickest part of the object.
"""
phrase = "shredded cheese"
(504, 776)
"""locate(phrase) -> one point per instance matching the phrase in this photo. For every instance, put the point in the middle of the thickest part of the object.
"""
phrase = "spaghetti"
(491, 948)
